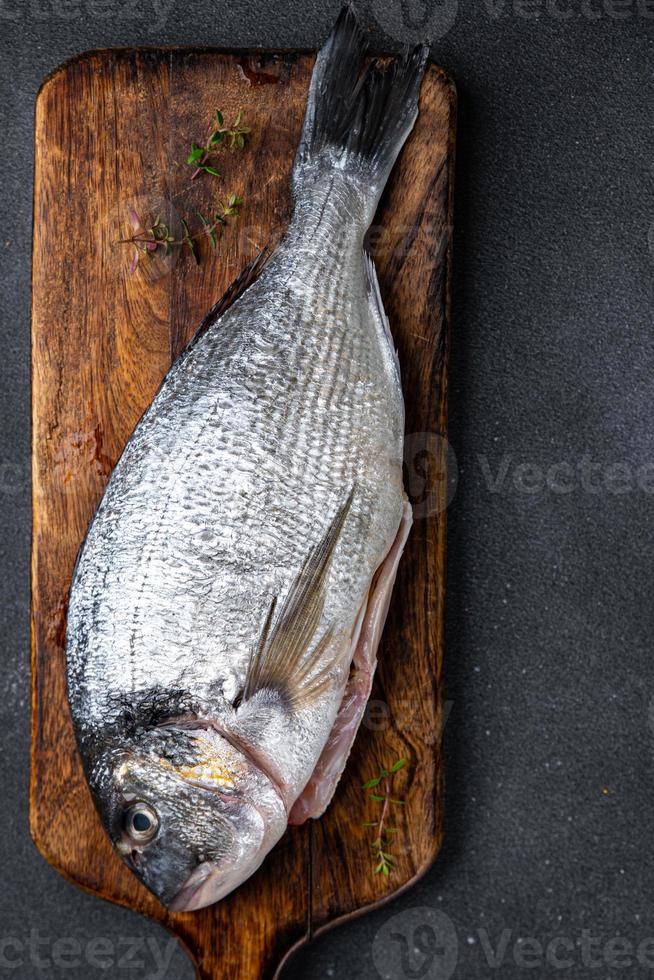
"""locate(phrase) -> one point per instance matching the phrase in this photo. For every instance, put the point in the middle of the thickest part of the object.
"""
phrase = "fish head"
(191, 815)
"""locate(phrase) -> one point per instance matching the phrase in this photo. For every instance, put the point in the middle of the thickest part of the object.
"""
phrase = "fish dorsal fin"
(234, 291)
(280, 661)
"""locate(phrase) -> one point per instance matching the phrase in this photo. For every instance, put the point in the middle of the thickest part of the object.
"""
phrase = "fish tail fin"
(358, 117)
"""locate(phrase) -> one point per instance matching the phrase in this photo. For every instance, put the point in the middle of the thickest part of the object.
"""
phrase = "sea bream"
(228, 600)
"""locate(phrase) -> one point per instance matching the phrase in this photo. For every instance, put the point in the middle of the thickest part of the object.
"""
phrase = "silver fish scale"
(253, 443)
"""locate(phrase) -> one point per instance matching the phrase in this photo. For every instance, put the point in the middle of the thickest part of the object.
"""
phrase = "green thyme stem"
(203, 233)
(384, 812)
(384, 861)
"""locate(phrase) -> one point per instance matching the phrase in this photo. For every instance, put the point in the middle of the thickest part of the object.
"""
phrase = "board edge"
(169, 49)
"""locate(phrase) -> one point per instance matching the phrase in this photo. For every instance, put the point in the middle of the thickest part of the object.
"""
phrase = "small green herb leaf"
(196, 153)
(219, 117)
(372, 782)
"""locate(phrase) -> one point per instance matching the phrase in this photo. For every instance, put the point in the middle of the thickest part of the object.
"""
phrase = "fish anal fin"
(377, 309)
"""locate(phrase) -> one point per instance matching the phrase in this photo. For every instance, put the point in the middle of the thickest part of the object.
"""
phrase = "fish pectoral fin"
(284, 660)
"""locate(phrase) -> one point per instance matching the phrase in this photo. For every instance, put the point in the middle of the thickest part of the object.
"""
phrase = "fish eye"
(141, 822)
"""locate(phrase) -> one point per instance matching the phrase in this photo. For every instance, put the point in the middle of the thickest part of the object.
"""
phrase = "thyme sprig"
(158, 237)
(234, 135)
(380, 792)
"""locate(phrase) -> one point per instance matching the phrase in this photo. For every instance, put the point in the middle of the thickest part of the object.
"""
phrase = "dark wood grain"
(112, 132)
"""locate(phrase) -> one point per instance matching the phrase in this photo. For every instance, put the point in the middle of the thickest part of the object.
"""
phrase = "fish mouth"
(208, 884)
(198, 890)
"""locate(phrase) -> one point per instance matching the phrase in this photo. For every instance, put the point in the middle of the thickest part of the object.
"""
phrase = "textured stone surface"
(549, 619)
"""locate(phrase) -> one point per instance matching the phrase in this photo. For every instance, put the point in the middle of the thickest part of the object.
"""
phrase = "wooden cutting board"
(113, 129)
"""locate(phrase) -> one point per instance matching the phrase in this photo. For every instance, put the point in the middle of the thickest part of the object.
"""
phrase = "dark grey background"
(549, 616)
